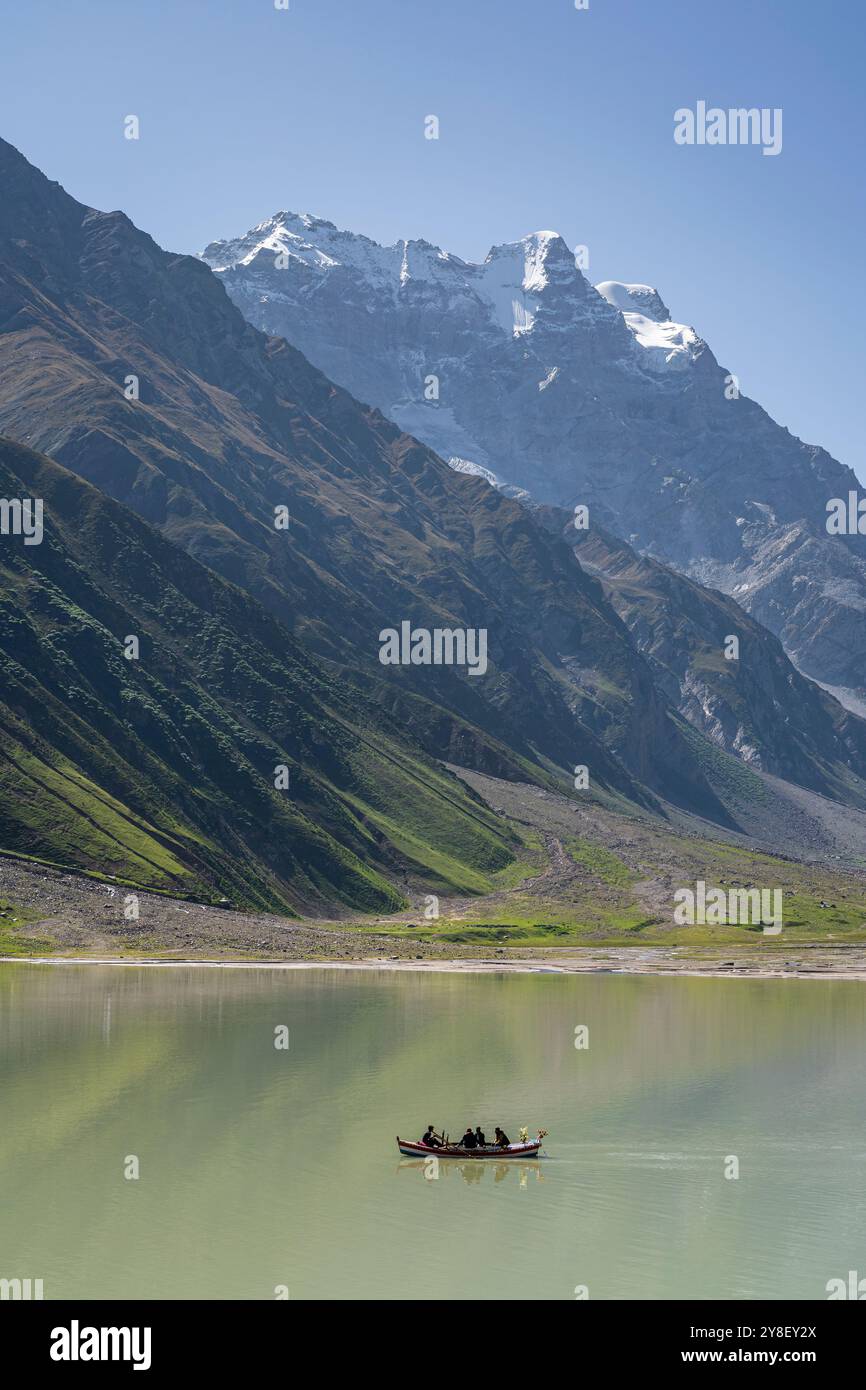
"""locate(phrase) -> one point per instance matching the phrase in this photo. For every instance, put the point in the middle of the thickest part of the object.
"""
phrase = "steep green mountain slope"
(161, 769)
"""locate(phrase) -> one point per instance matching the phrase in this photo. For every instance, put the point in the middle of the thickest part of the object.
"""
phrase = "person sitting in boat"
(480, 1141)
(469, 1141)
(501, 1139)
(432, 1139)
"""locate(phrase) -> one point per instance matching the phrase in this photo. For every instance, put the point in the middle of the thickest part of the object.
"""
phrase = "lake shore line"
(842, 964)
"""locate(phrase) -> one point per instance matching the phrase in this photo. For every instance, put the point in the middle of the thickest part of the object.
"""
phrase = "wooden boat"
(416, 1150)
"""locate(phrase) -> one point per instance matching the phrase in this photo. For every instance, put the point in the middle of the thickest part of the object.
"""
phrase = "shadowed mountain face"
(161, 767)
(230, 425)
(580, 395)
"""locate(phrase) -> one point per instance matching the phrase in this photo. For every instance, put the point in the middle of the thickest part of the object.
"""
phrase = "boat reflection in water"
(431, 1169)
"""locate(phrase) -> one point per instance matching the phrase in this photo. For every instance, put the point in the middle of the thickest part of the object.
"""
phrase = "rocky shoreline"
(64, 918)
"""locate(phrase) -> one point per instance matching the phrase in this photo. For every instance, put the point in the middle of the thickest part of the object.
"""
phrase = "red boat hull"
(414, 1150)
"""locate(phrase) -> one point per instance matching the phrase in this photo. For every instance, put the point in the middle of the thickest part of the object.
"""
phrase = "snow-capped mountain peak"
(520, 370)
(535, 258)
(508, 283)
(309, 241)
(425, 316)
(517, 278)
(518, 284)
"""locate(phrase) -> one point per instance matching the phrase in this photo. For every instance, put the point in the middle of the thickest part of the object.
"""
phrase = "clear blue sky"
(550, 118)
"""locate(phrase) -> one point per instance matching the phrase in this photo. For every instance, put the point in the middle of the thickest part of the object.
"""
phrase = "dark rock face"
(759, 706)
(577, 395)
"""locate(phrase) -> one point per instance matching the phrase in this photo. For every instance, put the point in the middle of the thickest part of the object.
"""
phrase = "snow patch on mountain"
(467, 466)
(635, 299)
(669, 344)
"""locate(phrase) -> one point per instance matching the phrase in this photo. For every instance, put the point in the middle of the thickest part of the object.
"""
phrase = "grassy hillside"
(593, 875)
(160, 770)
